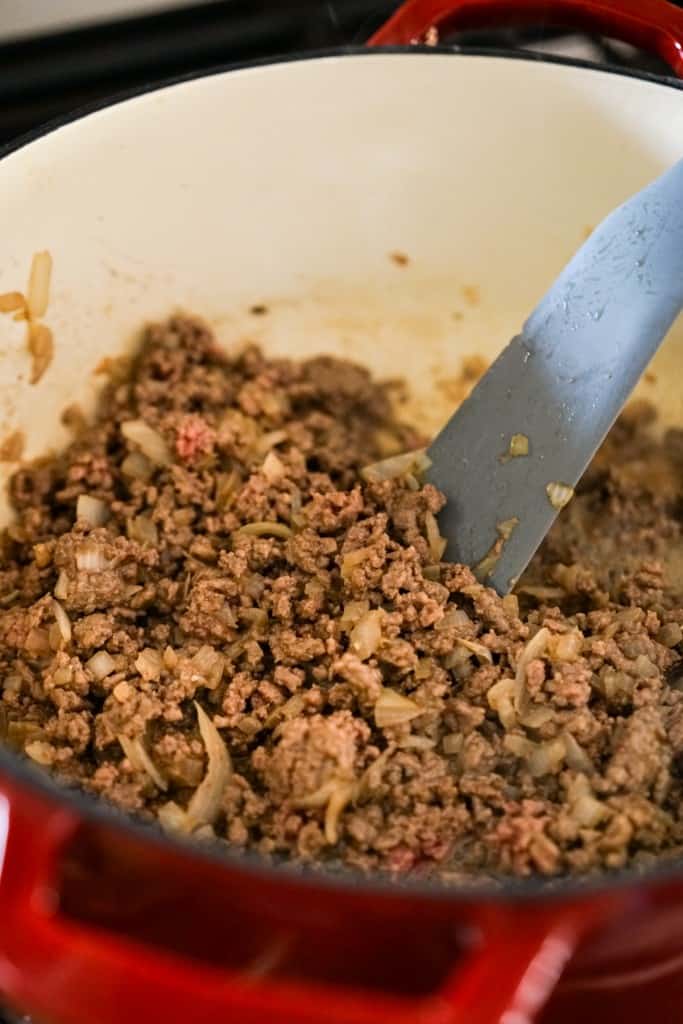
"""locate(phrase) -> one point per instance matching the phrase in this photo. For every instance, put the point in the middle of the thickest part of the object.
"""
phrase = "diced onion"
(63, 621)
(91, 558)
(40, 752)
(576, 757)
(452, 743)
(149, 441)
(416, 743)
(547, 758)
(367, 634)
(38, 292)
(205, 803)
(269, 440)
(535, 648)
(584, 808)
(264, 529)
(290, 709)
(140, 760)
(41, 348)
(149, 663)
(500, 698)
(454, 618)
(392, 708)
(415, 463)
(273, 468)
(537, 715)
(485, 567)
(353, 611)
(91, 510)
(210, 664)
(518, 745)
(172, 817)
(480, 650)
(62, 586)
(566, 646)
(519, 445)
(352, 560)
(559, 494)
(142, 529)
(341, 795)
(541, 593)
(137, 466)
(437, 543)
(11, 301)
(101, 665)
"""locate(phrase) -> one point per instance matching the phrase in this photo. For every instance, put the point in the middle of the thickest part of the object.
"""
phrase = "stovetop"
(59, 55)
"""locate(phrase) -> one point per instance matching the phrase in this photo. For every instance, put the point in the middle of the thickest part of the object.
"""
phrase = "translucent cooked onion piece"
(140, 760)
(488, 563)
(100, 665)
(547, 758)
(500, 698)
(137, 466)
(341, 795)
(392, 708)
(353, 611)
(149, 664)
(92, 511)
(205, 803)
(41, 348)
(535, 648)
(559, 494)
(142, 529)
(437, 543)
(537, 716)
(416, 743)
(519, 446)
(10, 302)
(290, 709)
(576, 757)
(408, 463)
(172, 817)
(38, 292)
(273, 468)
(586, 810)
(210, 664)
(63, 621)
(480, 650)
(148, 440)
(366, 635)
(352, 560)
(541, 593)
(452, 743)
(566, 646)
(264, 529)
(61, 590)
(91, 558)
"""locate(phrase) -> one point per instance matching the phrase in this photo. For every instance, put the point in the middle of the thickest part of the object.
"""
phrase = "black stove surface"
(45, 76)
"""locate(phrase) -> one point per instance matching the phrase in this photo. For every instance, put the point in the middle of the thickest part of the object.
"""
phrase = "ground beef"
(375, 707)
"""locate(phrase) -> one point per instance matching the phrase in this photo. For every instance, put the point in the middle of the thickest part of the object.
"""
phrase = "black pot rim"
(90, 808)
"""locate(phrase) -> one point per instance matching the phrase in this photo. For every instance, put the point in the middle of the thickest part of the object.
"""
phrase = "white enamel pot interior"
(291, 184)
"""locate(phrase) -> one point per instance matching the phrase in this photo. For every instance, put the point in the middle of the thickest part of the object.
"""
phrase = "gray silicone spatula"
(559, 385)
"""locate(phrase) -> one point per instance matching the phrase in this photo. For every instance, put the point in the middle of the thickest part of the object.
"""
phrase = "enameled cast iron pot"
(290, 184)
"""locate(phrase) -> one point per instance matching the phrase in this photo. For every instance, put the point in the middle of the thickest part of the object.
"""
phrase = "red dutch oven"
(302, 176)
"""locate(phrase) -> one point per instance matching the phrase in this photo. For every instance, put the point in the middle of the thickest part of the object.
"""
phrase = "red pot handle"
(67, 972)
(652, 25)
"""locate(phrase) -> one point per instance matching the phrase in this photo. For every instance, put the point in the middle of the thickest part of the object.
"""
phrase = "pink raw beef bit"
(194, 438)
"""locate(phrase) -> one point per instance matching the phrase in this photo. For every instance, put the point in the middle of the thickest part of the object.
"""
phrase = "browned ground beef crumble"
(381, 710)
